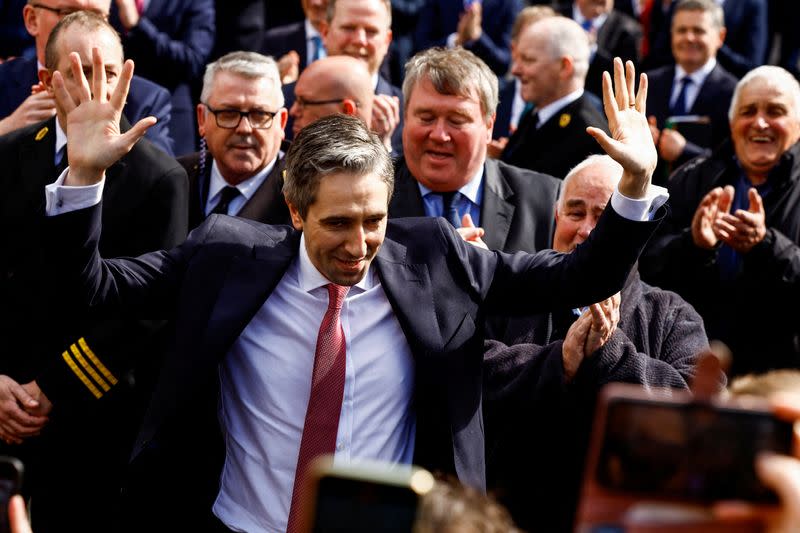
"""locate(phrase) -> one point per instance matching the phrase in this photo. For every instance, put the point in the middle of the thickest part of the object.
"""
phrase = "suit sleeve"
(183, 55)
(158, 134)
(98, 358)
(753, 41)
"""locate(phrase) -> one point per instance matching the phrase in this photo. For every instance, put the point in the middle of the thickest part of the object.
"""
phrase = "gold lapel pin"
(564, 120)
(41, 133)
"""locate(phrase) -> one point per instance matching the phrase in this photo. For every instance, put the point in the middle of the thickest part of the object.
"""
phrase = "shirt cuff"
(451, 40)
(62, 198)
(640, 209)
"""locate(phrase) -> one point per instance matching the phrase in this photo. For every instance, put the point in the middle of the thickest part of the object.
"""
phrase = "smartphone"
(366, 497)
(668, 446)
(10, 483)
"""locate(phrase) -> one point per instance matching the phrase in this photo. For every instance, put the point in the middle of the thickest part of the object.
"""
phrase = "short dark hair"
(333, 144)
(709, 6)
(89, 20)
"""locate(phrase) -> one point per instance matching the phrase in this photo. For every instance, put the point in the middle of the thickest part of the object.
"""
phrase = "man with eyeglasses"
(241, 120)
(23, 100)
(339, 84)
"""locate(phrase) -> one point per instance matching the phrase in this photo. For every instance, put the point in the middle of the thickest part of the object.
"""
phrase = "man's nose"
(356, 244)
(439, 131)
(244, 124)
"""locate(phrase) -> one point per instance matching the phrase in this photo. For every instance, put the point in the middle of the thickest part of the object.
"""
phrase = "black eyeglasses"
(230, 118)
(64, 11)
(302, 102)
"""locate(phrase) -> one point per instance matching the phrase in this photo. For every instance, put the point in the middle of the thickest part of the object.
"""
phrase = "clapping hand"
(631, 141)
(95, 140)
(590, 332)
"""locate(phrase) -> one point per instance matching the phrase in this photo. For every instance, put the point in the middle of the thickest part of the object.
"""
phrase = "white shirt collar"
(698, 76)
(578, 17)
(311, 31)
(248, 187)
(471, 189)
(309, 278)
(546, 112)
(61, 137)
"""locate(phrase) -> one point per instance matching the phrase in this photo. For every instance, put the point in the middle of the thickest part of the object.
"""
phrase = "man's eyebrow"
(574, 202)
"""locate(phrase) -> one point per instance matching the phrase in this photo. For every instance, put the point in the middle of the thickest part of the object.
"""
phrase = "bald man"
(336, 84)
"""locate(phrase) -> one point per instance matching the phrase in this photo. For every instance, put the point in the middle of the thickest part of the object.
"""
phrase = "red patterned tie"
(325, 402)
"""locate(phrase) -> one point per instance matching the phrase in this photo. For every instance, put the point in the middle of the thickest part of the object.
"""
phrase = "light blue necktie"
(319, 51)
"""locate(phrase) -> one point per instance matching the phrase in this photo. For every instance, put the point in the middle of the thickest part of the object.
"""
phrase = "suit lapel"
(247, 284)
(496, 211)
(37, 167)
(658, 101)
(409, 290)
(406, 200)
(707, 93)
(266, 195)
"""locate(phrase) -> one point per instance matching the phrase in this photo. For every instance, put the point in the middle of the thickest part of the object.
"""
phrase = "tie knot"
(336, 295)
(228, 194)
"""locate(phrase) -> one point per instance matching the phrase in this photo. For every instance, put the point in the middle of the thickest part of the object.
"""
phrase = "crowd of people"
(240, 235)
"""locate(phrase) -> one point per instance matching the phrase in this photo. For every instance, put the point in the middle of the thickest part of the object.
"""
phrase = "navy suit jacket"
(279, 41)
(517, 211)
(171, 45)
(502, 121)
(383, 87)
(439, 287)
(712, 101)
(144, 99)
(439, 18)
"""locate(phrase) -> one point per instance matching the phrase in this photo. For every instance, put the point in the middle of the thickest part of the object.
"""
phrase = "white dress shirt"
(698, 77)
(247, 188)
(546, 112)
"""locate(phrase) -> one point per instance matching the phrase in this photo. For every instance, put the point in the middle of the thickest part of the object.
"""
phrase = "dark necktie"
(225, 199)
(325, 403)
(679, 107)
(450, 201)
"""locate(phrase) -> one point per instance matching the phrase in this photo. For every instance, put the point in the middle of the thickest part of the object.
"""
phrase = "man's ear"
(297, 220)
(282, 116)
(30, 19)
(201, 119)
(567, 68)
(349, 107)
(46, 77)
(490, 127)
(324, 27)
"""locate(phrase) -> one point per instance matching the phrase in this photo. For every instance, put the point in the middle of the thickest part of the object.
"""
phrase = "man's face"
(312, 88)
(537, 71)
(315, 11)
(584, 200)
(764, 126)
(594, 8)
(360, 29)
(243, 151)
(694, 39)
(444, 138)
(76, 38)
(40, 20)
(345, 226)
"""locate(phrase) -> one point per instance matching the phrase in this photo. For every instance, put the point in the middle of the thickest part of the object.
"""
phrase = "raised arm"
(95, 141)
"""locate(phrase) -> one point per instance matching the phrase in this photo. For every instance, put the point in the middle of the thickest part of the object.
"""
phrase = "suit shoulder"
(521, 179)
(143, 86)
(148, 160)
(661, 73)
(28, 132)
(281, 32)
(224, 229)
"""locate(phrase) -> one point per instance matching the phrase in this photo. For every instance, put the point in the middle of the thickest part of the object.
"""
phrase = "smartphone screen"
(688, 451)
(357, 506)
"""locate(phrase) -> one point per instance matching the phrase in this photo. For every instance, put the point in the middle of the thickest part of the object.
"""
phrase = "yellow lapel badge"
(564, 120)
(41, 133)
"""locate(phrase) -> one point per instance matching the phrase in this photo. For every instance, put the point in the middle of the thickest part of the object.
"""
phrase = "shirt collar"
(546, 112)
(309, 278)
(578, 17)
(61, 137)
(699, 75)
(471, 189)
(311, 31)
(248, 187)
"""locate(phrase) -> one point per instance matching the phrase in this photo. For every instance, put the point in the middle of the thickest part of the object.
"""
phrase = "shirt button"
(60, 203)
(339, 447)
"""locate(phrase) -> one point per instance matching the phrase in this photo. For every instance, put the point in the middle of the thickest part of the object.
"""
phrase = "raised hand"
(289, 67)
(631, 141)
(716, 202)
(16, 422)
(385, 117)
(35, 108)
(743, 229)
(95, 140)
(471, 233)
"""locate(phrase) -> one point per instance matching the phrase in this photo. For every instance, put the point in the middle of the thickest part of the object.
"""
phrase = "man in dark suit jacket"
(144, 208)
(428, 292)
(483, 28)
(18, 76)
(707, 94)
(513, 206)
(296, 45)
(238, 171)
(170, 43)
(551, 62)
